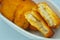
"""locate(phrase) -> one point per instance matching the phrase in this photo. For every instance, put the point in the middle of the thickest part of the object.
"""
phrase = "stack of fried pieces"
(29, 15)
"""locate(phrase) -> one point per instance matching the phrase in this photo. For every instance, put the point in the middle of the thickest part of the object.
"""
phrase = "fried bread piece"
(20, 19)
(48, 15)
(35, 20)
(21, 9)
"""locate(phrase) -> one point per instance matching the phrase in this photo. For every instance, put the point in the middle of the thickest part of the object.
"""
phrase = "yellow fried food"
(11, 10)
(8, 8)
(20, 19)
(21, 9)
(48, 14)
(35, 20)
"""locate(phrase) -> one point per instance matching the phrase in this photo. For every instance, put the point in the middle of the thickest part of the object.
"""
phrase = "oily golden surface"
(8, 8)
(50, 16)
(21, 9)
(14, 10)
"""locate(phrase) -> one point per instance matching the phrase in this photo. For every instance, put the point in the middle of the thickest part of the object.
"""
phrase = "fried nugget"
(11, 10)
(35, 20)
(48, 15)
(21, 9)
(8, 8)
(20, 19)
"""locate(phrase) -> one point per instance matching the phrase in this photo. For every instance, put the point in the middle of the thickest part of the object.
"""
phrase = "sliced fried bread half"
(35, 20)
(48, 15)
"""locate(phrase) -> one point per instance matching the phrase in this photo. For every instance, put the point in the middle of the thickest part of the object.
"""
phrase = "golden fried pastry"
(48, 15)
(20, 19)
(21, 9)
(14, 11)
(8, 8)
(35, 20)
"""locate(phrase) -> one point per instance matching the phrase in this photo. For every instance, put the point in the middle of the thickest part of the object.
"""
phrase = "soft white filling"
(46, 15)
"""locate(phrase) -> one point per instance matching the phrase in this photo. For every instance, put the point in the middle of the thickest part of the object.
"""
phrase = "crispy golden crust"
(35, 20)
(21, 9)
(8, 8)
(48, 14)
(20, 19)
